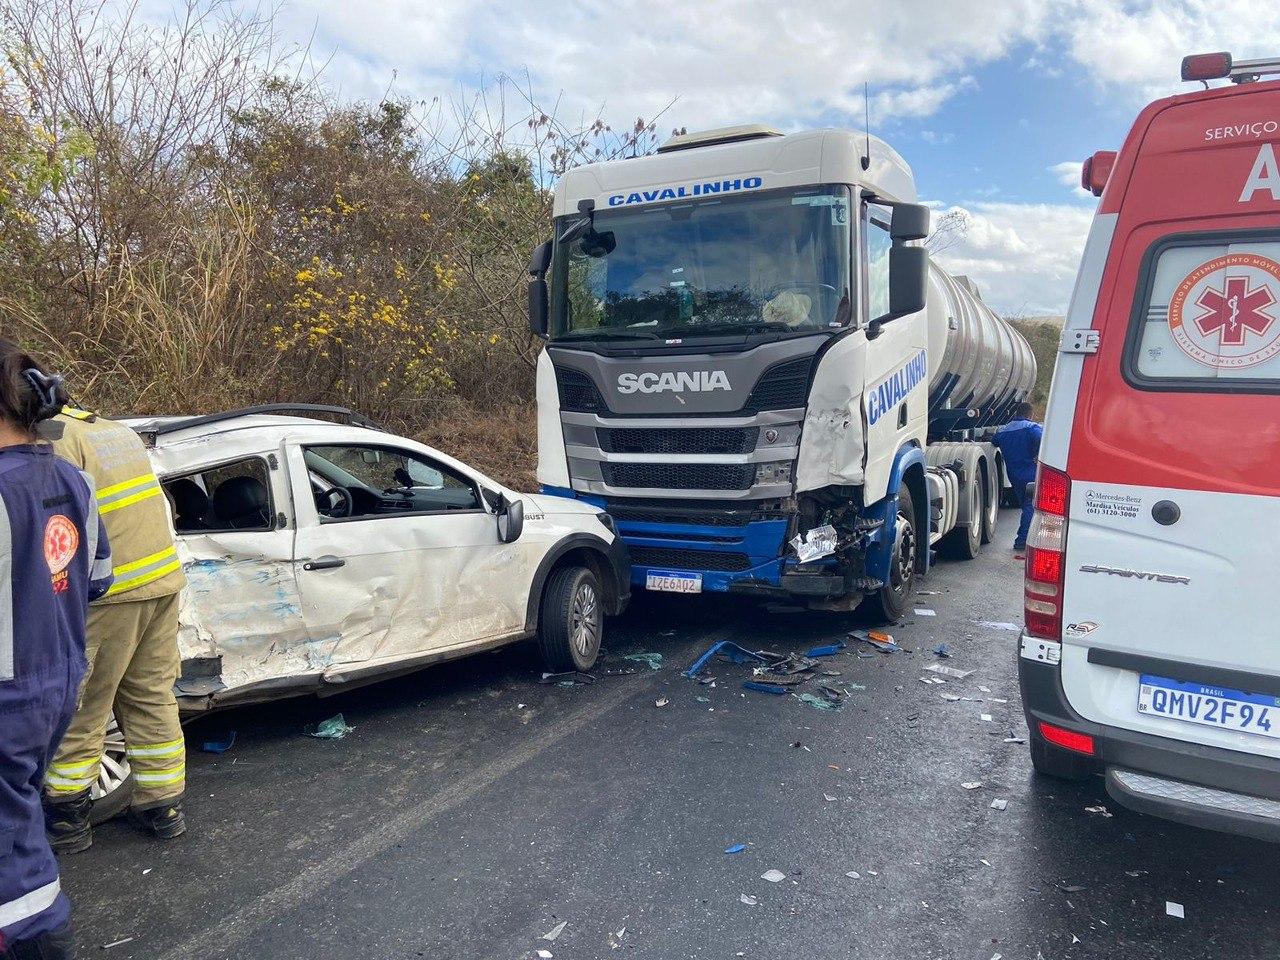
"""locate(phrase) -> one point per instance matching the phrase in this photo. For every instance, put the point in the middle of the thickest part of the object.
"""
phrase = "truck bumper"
(1209, 787)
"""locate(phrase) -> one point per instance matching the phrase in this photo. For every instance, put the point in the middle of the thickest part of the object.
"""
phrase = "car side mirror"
(510, 520)
(538, 297)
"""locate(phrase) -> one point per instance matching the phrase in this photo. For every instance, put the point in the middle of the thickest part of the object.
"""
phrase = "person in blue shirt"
(54, 559)
(1019, 441)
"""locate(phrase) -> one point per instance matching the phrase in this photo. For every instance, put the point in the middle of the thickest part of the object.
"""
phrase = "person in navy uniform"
(54, 559)
(1019, 441)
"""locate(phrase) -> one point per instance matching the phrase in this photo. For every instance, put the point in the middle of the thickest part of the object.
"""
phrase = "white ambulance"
(1151, 653)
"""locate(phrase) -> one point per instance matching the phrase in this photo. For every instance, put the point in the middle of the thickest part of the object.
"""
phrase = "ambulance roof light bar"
(1220, 66)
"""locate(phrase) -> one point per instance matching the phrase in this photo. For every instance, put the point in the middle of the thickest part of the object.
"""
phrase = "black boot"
(50, 946)
(165, 821)
(66, 820)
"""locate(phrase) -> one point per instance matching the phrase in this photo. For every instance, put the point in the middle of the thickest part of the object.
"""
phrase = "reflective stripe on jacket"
(131, 501)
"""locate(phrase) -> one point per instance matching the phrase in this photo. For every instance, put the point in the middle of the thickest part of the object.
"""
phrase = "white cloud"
(1023, 256)
(1068, 174)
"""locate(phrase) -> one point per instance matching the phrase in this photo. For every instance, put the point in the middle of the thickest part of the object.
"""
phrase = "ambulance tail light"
(1046, 555)
(1096, 171)
(1206, 66)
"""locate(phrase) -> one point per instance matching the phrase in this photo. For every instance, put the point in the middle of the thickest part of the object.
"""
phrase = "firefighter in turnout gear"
(132, 644)
(54, 559)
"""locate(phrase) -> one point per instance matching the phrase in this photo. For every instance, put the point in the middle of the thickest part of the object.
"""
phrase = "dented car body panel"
(308, 601)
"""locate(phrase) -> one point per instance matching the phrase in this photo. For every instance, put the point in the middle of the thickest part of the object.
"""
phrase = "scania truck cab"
(748, 355)
(1150, 652)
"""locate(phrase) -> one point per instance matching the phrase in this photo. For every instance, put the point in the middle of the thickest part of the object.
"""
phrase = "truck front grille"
(733, 516)
(578, 392)
(680, 476)
(781, 387)
(679, 559)
(678, 440)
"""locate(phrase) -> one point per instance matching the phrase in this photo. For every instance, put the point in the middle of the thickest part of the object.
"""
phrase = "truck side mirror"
(908, 280)
(910, 222)
(538, 297)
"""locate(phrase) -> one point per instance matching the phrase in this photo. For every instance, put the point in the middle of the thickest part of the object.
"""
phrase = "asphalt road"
(472, 810)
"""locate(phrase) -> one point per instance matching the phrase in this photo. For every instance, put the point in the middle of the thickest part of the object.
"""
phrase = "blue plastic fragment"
(736, 848)
(756, 685)
(730, 649)
(219, 746)
(941, 651)
(828, 651)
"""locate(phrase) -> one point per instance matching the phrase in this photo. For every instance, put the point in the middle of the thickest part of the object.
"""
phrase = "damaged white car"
(323, 554)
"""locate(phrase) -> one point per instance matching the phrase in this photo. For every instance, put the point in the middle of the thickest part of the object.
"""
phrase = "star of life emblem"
(1224, 313)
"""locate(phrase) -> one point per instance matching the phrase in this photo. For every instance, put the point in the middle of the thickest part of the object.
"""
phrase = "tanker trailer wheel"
(890, 602)
(990, 505)
(963, 543)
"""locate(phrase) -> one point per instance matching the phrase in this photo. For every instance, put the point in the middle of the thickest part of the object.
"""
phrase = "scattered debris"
(703, 699)
(815, 544)
(925, 612)
(654, 660)
(772, 688)
(545, 954)
(1135, 873)
(219, 746)
(818, 703)
(878, 639)
(830, 650)
(118, 943)
(726, 648)
(556, 930)
(829, 798)
(1000, 625)
(1175, 910)
(972, 784)
(988, 718)
(773, 876)
(984, 689)
(335, 728)
(1070, 888)
(932, 680)
(999, 803)
(568, 678)
(948, 671)
(748, 900)
(854, 875)
(951, 697)
(148, 870)
(661, 702)
(1014, 739)
(1098, 811)
(941, 651)
(736, 848)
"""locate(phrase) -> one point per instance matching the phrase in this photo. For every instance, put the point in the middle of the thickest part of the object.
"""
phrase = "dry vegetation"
(187, 225)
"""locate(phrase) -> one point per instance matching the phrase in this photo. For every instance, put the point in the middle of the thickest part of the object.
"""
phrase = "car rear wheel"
(572, 620)
(110, 794)
(889, 603)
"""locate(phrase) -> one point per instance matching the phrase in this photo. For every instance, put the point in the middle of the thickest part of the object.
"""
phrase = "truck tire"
(963, 543)
(990, 505)
(572, 620)
(889, 603)
(1056, 763)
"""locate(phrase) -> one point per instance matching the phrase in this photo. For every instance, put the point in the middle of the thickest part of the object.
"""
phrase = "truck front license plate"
(673, 581)
(1209, 706)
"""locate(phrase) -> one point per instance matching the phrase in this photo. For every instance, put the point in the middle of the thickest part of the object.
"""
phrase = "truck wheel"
(963, 543)
(572, 620)
(890, 602)
(110, 794)
(990, 507)
(1059, 764)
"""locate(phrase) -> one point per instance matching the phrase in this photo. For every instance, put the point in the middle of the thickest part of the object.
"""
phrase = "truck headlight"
(773, 473)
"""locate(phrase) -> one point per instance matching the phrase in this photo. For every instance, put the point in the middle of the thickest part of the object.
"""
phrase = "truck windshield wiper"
(602, 334)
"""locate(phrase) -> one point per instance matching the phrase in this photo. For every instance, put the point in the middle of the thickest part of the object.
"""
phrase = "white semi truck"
(753, 366)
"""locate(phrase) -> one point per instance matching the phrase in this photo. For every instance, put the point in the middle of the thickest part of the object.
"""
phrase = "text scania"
(889, 393)
(702, 189)
(699, 381)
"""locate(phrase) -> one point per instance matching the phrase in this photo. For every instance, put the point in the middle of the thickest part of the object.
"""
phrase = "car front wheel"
(111, 792)
(572, 620)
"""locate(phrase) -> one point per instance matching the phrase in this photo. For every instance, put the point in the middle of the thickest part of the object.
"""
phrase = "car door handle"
(324, 563)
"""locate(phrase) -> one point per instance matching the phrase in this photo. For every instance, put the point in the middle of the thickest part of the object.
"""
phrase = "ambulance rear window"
(1208, 315)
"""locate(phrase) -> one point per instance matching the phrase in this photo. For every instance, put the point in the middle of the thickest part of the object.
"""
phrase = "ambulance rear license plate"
(1210, 706)
(673, 581)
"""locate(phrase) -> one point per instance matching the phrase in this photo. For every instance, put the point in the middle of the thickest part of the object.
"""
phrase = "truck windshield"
(776, 260)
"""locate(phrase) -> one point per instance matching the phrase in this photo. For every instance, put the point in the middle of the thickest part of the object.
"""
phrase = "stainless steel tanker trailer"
(753, 366)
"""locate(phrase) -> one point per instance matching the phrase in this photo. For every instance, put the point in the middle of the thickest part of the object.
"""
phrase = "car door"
(241, 605)
(1175, 498)
(411, 565)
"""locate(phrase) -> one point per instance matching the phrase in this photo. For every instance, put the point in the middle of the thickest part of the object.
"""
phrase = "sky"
(994, 103)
